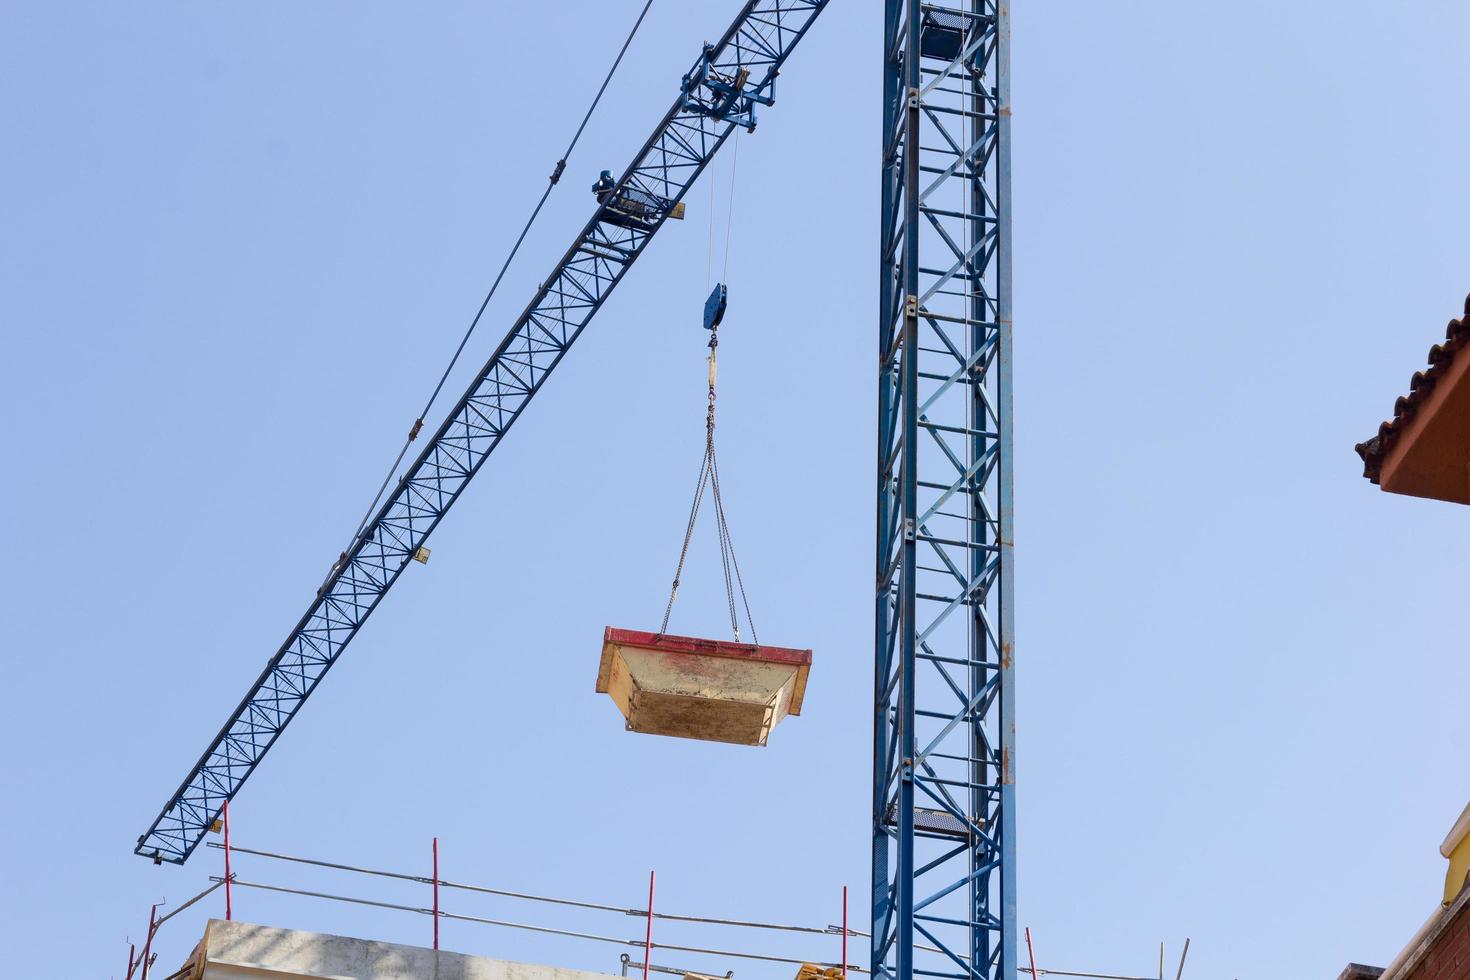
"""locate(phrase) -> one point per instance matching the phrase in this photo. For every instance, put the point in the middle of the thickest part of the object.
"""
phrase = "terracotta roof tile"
(1457, 338)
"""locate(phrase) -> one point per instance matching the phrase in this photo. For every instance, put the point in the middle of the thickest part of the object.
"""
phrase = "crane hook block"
(714, 307)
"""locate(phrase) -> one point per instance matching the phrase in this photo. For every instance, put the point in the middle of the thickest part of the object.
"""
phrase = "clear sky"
(238, 242)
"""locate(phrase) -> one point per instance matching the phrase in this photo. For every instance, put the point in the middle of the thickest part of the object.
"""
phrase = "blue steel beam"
(944, 869)
(720, 92)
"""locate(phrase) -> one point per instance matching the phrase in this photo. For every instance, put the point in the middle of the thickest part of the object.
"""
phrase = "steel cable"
(486, 890)
(596, 906)
(573, 934)
(556, 174)
(709, 476)
(522, 925)
(730, 208)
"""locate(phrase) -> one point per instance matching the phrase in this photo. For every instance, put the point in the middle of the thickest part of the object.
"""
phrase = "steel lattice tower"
(944, 721)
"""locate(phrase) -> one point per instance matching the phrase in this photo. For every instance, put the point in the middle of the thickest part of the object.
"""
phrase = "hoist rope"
(709, 256)
(714, 179)
(709, 470)
(709, 478)
(561, 165)
(730, 207)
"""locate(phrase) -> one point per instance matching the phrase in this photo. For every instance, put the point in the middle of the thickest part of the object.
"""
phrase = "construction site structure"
(244, 951)
(943, 752)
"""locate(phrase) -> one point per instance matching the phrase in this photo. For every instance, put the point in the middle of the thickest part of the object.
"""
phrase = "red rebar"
(229, 899)
(648, 934)
(844, 932)
(1031, 951)
(436, 893)
(148, 940)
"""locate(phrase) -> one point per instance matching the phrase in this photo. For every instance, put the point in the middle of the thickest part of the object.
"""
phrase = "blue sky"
(239, 243)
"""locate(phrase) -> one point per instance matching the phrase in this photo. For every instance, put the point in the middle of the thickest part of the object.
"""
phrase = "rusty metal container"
(706, 689)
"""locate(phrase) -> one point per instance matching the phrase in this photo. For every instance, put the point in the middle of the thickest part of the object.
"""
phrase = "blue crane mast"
(944, 820)
(729, 80)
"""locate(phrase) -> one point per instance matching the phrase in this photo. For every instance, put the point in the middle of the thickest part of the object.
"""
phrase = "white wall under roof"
(244, 951)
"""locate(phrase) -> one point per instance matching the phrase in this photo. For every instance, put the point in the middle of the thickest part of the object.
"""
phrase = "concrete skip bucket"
(705, 689)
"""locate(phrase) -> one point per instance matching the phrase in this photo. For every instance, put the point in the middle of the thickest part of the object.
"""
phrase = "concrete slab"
(245, 951)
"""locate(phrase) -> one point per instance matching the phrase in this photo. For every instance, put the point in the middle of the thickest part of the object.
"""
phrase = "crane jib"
(728, 81)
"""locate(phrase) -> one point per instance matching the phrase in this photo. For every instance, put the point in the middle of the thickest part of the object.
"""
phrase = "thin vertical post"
(229, 898)
(908, 502)
(880, 901)
(648, 930)
(1031, 952)
(1005, 358)
(148, 940)
(844, 932)
(132, 949)
(436, 893)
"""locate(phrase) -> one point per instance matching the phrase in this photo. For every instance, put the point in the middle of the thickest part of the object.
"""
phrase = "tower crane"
(943, 805)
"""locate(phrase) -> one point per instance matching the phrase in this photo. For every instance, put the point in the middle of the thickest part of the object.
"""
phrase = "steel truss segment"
(943, 795)
(755, 45)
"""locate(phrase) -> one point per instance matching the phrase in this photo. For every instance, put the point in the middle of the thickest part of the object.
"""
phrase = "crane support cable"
(561, 165)
(629, 213)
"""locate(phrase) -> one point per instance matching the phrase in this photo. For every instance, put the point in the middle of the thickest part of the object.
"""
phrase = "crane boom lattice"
(728, 81)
